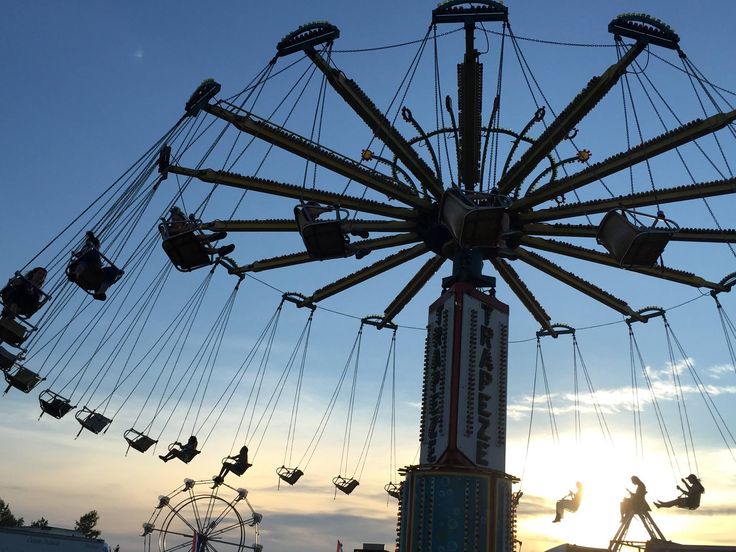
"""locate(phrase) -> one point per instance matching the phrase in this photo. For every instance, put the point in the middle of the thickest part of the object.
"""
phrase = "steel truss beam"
(625, 159)
(413, 287)
(290, 225)
(641, 199)
(304, 257)
(576, 282)
(368, 272)
(296, 192)
(520, 289)
(317, 153)
(707, 235)
(570, 250)
(378, 123)
(566, 121)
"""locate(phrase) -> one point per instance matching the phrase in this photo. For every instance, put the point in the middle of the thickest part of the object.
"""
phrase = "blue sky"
(90, 86)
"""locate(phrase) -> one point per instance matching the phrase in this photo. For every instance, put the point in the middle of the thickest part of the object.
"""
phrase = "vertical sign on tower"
(483, 375)
(434, 429)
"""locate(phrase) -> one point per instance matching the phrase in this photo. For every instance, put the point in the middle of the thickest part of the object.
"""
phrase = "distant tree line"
(85, 524)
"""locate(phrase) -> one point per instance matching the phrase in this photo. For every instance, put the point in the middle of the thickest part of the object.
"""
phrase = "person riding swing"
(185, 452)
(22, 296)
(179, 223)
(570, 502)
(238, 466)
(690, 497)
(636, 502)
(86, 268)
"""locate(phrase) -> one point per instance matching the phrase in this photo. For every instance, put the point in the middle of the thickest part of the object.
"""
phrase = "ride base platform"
(651, 546)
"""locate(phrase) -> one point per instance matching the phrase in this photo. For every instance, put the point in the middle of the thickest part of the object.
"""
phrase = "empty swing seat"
(22, 379)
(7, 359)
(54, 404)
(138, 441)
(92, 421)
(323, 239)
(345, 484)
(631, 242)
(14, 332)
(475, 219)
(393, 489)
(186, 250)
(290, 475)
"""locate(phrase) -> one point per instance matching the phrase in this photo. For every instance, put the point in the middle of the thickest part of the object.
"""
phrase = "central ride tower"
(459, 497)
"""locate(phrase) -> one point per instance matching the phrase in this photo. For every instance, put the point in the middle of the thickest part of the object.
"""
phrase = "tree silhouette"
(7, 519)
(86, 524)
(43, 522)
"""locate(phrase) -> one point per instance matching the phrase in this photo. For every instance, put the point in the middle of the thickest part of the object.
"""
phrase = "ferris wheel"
(192, 518)
(516, 191)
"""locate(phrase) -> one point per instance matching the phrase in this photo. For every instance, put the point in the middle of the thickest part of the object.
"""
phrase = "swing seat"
(393, 489)
(90, 277)
(238, 468)
(474, 219)
(92, 421)
(13, 331)
(186, 250)
(27, 300)
(346, 485)
(54, 404)
(22, 379)
(323, 239)
(630, 241)
(290, 475)
(186, 455)
(7, 359)
(138, 441)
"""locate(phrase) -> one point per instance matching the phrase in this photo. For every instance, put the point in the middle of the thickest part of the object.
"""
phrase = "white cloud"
(618, 399)
(719, 370)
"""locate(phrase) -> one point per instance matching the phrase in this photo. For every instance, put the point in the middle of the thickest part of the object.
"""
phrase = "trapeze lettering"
(485, 379)
(435, 399)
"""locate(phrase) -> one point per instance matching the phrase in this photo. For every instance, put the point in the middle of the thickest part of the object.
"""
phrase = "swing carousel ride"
(496, 188)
